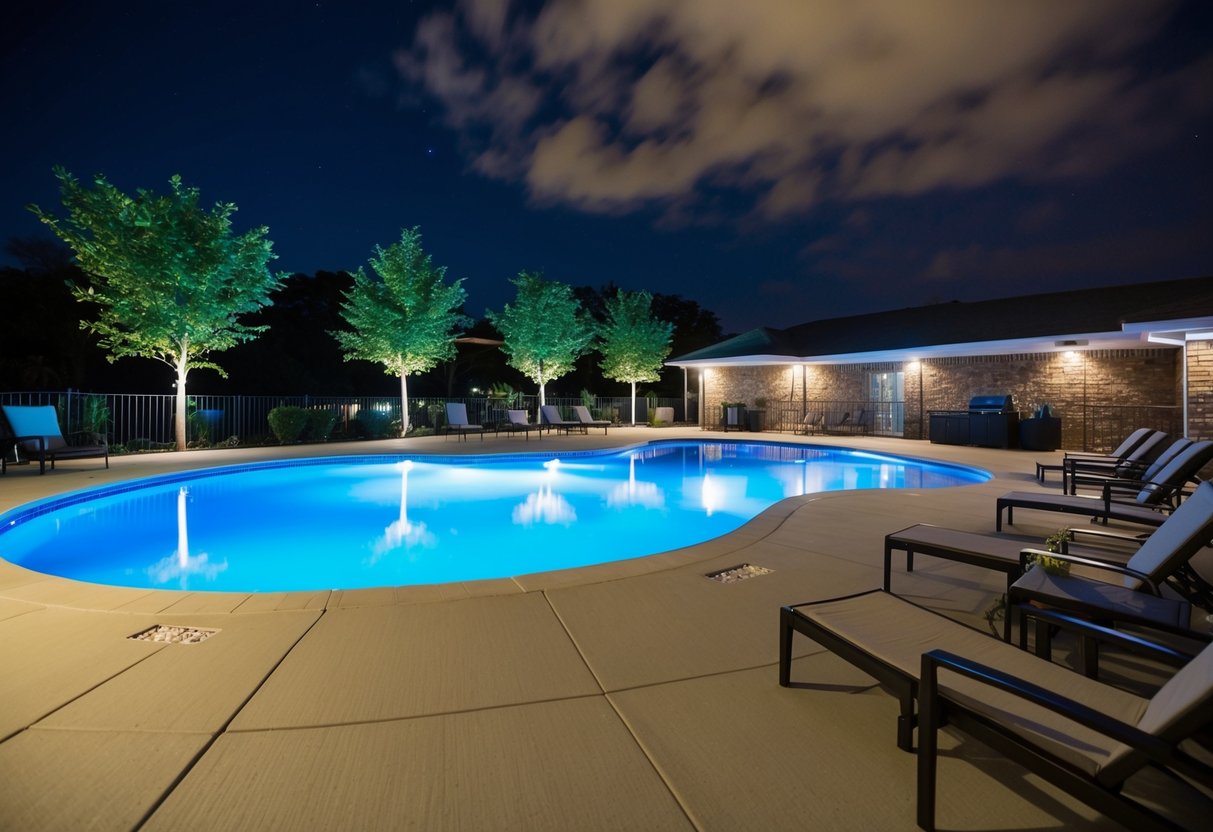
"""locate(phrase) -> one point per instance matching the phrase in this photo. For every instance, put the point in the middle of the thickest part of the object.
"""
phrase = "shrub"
(288, 423)
(320, 424)
(375, 424)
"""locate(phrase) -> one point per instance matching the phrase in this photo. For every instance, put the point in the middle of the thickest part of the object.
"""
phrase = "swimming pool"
(353, 522)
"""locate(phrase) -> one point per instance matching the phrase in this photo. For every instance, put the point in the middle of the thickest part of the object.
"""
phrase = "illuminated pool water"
(351, 522)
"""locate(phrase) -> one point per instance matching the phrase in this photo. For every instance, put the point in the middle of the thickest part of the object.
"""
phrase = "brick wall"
(1200, 389)
(1067, 382)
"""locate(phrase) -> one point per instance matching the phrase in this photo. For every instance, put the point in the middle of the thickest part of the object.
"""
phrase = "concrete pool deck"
(631, 695)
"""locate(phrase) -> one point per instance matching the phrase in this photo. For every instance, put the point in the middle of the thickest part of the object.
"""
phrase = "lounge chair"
(36, 431)
(1137, 596)
(549, 416)
(834, 422)
(584, 417)
(1127, 465)
(811, 423)
(1126, 473)
(1147, 507)
(1130, 442)
(862, 423)
(519, 422)
(457, 421)
(1076, 733)
(885, 636)
(1001, 554)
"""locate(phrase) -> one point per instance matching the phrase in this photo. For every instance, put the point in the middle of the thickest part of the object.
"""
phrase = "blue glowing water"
(350, 522)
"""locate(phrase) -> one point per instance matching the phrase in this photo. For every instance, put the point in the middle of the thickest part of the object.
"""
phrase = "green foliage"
(320, 424)
(1054, 566)
(288, 423)
(437, 414)
(406, 317)
(502, 396)
(587, 400)
(375, 424)
(544, 329)
(168, 279)
(634, 343)
(95, 415)
(167, 276)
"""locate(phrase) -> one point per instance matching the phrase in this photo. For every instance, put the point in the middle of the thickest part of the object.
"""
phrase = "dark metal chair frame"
(937, 708)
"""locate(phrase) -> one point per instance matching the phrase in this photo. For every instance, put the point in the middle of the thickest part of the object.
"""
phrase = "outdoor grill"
(991, 421)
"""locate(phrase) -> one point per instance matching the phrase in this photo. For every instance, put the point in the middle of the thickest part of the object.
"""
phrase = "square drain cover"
(738, 573)
(174, 635)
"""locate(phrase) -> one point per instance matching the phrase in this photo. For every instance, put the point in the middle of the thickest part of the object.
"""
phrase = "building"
(1105, 360)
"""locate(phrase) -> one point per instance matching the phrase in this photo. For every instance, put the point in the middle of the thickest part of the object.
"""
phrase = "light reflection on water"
(350, 523)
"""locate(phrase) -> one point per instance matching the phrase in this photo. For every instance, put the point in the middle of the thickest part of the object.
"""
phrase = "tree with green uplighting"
(633, 342)
(544, 330)
(404, 318)
(168, 278)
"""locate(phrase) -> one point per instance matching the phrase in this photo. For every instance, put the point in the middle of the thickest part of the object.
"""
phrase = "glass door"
(887, 393)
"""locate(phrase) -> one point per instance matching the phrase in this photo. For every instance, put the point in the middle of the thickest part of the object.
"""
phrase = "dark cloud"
(613, 105)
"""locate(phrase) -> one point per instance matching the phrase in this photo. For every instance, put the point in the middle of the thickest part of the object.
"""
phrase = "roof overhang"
(1176, 332)
(1124, 339)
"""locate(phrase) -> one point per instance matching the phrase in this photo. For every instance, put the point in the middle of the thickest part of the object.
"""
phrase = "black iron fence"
(846, 417)
(136, 421)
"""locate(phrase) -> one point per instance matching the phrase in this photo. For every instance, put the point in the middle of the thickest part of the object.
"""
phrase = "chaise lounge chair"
(550, 417)
(36, 431)
(885, 636)
(1076, 733)
(1148, 507)
(457, 421)
(519, 422)
(1126, 473)
(584, 417)
(1127, 465)
(835, 422)
(1137, 597)
(811, 423)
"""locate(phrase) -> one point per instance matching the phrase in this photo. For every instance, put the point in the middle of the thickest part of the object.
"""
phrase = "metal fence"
(140, 421)
(1103, 426)
(872, 418)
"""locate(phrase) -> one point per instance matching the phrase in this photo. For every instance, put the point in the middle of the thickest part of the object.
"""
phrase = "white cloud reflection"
(181, 565)
(608, 105)
(546, 507)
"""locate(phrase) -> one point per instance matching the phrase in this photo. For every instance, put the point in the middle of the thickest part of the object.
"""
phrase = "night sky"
(776, 161)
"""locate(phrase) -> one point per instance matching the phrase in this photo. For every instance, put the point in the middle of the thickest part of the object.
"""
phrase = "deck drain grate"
(174, 635)
(738, 573)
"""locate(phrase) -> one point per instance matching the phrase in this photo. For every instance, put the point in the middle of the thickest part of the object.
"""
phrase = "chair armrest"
(1120, 569)
(95, 437)
(1147, 744)
(1135, 539)
(41, 440)
(1164, 653)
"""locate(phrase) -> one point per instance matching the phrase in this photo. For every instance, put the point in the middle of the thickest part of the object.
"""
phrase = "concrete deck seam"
(573, 641)
(189, 766)
(278, 729)
(83, 693)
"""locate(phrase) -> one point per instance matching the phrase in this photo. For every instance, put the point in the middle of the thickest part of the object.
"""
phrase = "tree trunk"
(633, 404)
(180, 415)
(541, 385)
(404, 404)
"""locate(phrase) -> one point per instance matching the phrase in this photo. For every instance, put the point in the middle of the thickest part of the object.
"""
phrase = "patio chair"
(1137, 598)
(519, 422)
(835, 423)
(588, 421)
(1076, 733)
(862, 423)
(35, 430)
(1127, 472)
(812, 423)
(1130, 442)
(1134, 463)
(885, 636)
(549, 416)
(457, 421)
(1147, 507)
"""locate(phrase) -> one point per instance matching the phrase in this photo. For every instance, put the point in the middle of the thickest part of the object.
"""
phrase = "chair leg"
(785, 648)
(928, 741)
